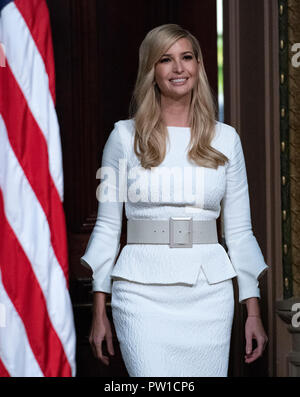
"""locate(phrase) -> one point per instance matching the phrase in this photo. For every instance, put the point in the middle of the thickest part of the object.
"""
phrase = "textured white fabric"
(149, 263)
(174, 330)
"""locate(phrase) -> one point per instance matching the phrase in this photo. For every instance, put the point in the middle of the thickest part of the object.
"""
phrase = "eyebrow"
(185, 52)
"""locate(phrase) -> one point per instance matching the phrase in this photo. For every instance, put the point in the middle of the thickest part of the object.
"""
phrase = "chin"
(180, 94)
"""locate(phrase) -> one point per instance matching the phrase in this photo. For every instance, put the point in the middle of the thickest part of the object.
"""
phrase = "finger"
(265, 343)
(260, 345)
(100, 354)
(253, 356)
(93, 350)
(248, 345)
(92, 347)
(250, 360)
(110, 347)
(98, 348)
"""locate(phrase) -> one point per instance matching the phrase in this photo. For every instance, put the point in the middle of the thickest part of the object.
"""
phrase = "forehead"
(181, 45)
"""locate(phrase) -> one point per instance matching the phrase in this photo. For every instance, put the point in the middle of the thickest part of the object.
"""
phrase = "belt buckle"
(172, 222)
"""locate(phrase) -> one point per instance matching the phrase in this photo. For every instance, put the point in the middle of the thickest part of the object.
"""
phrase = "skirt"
(174, 330)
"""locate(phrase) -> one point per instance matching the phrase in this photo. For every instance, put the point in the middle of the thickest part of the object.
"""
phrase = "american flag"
(37, 334)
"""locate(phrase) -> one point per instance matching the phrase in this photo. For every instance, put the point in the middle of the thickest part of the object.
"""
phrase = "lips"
(178, 81)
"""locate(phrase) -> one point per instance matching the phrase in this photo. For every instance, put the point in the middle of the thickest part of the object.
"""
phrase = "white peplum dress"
(173, 308)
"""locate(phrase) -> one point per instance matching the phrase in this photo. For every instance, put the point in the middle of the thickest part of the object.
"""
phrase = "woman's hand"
(100, 330)
(254, 330)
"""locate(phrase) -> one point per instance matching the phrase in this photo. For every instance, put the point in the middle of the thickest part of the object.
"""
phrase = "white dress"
(173, 307)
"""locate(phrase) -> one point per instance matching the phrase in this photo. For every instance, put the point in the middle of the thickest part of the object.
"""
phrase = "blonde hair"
(150, 131)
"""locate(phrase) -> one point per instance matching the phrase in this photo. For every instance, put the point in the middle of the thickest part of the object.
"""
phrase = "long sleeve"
(243, 249)
(104, 243)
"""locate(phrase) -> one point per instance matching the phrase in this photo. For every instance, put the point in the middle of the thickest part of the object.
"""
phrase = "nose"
(177, 66)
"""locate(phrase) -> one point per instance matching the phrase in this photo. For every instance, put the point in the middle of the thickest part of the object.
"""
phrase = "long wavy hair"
(150, 131)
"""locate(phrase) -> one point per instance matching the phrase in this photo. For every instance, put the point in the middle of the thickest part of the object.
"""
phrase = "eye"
(188, 57)
(164, 60)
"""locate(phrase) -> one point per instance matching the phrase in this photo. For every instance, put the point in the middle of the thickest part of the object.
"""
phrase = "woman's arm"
(104, 243)
(243, 249)
(254, 330)
(101, 329)
(253, 309)
(99, 303)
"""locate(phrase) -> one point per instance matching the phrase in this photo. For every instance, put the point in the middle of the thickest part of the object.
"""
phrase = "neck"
(175, 112)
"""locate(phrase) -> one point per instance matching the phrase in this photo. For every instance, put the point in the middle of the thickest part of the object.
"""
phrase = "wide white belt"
(179, 232)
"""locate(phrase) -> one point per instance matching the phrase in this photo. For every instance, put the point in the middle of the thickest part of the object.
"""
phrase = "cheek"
(159, 75)
(194, 78)
(194, 72)
(162, 72)
(162, 83)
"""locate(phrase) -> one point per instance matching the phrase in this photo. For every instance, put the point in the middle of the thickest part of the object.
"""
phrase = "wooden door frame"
(266, 24)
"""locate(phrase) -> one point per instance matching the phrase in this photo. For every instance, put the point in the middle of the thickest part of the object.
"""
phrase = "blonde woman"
(174, 166)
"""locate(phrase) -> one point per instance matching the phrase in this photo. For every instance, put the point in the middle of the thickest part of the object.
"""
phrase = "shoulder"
(231, 139)
(125, 127)
(225, 138)
(226, 131)
(120, 138)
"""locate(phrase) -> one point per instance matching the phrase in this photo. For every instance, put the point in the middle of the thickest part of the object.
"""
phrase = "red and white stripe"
(39, 337)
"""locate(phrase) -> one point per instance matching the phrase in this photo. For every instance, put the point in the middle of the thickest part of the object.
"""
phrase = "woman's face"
(176, 72)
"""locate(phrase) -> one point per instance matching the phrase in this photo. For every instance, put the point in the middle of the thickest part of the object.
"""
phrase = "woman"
(172, 294)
